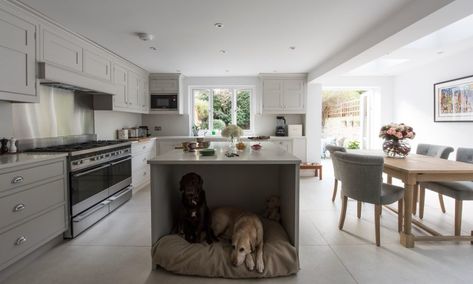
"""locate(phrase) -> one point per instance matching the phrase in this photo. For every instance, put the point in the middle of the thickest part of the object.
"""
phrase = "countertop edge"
(22, 159)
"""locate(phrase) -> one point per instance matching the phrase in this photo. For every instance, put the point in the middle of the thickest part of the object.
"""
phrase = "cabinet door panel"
(17, 56)
(164, 85)
(96, 65)
(120, 78)
(293, 94)
(272, 91)
(133, 90)
(61, 51)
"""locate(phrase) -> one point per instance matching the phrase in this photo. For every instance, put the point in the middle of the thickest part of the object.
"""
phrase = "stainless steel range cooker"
(99, 180)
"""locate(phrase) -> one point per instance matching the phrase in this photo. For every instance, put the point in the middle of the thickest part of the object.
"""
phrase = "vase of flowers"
(233, 132)
(396, 137)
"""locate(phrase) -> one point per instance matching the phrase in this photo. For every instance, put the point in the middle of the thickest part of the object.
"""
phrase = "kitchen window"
(215, 108)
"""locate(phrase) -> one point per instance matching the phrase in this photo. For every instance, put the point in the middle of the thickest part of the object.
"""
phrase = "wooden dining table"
(419, 168)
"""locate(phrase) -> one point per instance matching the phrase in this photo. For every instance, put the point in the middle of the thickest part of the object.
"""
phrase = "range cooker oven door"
(120, 176)
(89, 187)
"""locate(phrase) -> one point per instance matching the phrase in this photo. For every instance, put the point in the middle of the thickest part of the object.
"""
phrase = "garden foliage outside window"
(215, 108)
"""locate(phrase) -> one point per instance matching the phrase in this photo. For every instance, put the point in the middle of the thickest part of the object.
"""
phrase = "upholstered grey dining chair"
(458, 190)
(332, 149)
(362, 179)
(437, 151)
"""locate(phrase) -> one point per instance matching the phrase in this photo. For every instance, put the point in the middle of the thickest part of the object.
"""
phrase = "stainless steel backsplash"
(60, 113)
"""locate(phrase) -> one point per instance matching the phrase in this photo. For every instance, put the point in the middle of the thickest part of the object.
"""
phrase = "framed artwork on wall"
(453, 100)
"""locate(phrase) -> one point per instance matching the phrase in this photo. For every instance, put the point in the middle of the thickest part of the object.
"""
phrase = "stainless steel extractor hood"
(53, 76)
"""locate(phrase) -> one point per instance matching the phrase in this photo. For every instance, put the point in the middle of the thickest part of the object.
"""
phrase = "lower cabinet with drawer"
(141, 153)
(33, 207)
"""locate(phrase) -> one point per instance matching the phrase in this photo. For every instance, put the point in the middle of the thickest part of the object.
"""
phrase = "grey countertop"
(268, 154)
(13, 160)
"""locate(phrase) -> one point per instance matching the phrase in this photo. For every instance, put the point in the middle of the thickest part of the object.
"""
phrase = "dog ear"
(201, 182)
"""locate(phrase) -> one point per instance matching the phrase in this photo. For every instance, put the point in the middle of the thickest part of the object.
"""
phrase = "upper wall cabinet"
(97, 65)
(18, 59)
(61, 49)
(283, 93)
(164, 83)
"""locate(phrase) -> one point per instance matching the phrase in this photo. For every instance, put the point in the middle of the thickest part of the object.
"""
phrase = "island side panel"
(164, 201)
(289, 192)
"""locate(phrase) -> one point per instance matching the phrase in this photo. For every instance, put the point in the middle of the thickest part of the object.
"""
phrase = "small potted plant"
(233, 132)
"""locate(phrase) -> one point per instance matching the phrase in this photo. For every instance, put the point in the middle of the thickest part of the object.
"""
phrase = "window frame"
(234, 90)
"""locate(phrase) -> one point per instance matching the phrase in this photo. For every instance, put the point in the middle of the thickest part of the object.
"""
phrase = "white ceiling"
(257, 34)
(452, 39)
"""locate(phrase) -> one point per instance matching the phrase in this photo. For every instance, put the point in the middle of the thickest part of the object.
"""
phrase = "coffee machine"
(281, 127)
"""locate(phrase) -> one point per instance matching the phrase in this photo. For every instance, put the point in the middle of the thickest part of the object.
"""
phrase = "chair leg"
(400, 210)
(335, 186)
(358, 209)
(377, 213)
(414, 201)
(421, 201)
(458, 217)
(343, 213)
(442, 205)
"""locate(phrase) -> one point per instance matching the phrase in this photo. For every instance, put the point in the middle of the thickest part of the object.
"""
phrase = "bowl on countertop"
(256, 147)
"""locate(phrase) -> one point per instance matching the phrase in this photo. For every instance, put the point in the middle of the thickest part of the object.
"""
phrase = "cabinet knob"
(17, 179)
(19, 207)
(21, 240)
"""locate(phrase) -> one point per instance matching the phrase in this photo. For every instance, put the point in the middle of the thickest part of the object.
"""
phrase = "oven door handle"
(121, 161)
(91, 171)
(97, 208)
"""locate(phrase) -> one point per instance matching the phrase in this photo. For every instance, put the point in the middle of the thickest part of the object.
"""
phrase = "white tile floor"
(117, 250)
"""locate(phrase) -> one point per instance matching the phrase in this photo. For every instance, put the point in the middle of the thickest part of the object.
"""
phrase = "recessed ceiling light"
(218, 25)
(440, 52)
(227, 71)
(178, 70)
(153, 48)
(275, 71)
(145, 36)
(223, 51)
(292, 47)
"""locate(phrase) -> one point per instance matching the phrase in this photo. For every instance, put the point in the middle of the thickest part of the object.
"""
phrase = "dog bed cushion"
(175, 254)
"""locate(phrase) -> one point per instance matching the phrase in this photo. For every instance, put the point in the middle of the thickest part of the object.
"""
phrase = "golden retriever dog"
(246, 233)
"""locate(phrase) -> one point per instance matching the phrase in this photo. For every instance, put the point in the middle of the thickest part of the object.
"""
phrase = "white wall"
(177, 125)
(107, 123)
(414, 101)
(314, 122)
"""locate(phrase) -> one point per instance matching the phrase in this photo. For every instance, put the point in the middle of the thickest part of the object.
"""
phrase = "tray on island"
(258, 138)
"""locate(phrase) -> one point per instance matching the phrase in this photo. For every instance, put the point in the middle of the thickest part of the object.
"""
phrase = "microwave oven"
(163, 102)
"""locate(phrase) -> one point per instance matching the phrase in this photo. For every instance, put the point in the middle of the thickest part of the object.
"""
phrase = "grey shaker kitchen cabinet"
(18, 58)
(33, 207)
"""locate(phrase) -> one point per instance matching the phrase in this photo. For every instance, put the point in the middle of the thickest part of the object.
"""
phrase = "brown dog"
(246, 232)
(194, 219)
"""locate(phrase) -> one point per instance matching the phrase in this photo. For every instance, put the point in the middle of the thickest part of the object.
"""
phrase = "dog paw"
(260, 266)
(250, 263)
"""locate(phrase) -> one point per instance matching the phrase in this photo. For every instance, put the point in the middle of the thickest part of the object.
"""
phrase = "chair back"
(465, 155)
(437, 151)
(332, 149)
(361, 176)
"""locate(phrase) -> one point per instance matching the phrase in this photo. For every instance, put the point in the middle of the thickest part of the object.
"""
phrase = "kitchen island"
(245, 181)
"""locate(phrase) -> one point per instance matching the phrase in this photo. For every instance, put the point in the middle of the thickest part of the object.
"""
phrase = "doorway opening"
(346, 118)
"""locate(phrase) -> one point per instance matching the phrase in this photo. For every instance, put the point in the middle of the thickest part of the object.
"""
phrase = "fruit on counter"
(240, 145)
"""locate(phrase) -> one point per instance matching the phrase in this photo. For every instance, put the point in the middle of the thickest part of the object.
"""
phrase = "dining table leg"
(407, 239)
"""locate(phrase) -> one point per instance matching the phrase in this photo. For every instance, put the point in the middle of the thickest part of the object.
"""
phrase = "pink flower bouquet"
(396, 131)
